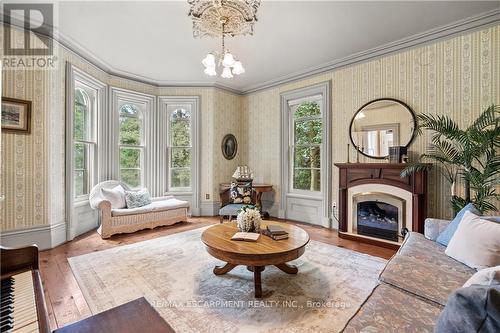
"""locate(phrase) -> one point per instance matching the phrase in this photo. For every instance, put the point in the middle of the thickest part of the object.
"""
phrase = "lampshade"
(226, 73)
(228, 60)
(210, 71)
(238, 68)
(209, 60)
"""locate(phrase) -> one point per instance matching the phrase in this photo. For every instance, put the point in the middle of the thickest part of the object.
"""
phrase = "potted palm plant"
(468, 156)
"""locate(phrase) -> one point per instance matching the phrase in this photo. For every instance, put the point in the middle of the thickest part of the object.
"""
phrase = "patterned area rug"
(174, 273)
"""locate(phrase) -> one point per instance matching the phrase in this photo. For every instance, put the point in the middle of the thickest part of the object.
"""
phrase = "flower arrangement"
(249, 219)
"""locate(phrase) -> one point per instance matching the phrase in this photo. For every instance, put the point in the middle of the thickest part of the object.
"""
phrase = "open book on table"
(246, 236)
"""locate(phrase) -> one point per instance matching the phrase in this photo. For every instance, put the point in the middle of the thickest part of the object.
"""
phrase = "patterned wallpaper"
(458, 77)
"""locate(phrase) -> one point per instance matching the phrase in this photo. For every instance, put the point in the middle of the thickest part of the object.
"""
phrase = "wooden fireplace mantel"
(353, 174)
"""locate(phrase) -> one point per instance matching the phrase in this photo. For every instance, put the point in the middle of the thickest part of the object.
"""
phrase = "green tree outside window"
(308, 131)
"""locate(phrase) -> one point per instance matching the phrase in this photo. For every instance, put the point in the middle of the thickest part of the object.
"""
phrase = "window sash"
(141, 130)
(88, 168)
(171, 134)
(293, 147)
(179, 188)
(141, 150)
(170, 148)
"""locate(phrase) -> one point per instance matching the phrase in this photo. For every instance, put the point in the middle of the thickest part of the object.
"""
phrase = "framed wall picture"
(229, 146)
(16, 115)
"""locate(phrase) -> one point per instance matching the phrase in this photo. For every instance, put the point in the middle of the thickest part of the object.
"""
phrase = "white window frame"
(147, 106)
(141, 146)
(316, 205)
(291, 148)
(193, 194)
(91, 162)
(78, 212)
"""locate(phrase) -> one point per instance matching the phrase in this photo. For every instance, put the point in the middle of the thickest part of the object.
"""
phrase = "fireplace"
(378, 215)
(377, 206)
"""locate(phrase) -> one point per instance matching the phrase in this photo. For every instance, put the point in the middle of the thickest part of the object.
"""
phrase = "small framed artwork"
(16, 115)
(229, 146)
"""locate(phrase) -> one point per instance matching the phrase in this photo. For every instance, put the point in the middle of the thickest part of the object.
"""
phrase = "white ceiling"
(154, 41)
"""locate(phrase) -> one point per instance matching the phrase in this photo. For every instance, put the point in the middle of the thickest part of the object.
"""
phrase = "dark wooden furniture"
(225, 199)
(132, 317)
(258, 190)
(353, 174)
(255, 255)
(17, 262)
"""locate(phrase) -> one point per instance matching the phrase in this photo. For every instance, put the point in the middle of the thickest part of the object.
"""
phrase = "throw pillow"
(476, 242)
(445, 236)
(138, 198)
(485, 277)
(115, 195)
(471, 309)
(241, 194)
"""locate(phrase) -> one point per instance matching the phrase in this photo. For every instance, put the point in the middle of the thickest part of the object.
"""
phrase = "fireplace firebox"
(378, 214)
(378, 219)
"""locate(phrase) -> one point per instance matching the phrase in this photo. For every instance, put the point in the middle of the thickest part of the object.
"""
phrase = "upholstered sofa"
(161, 211)
(413, 287)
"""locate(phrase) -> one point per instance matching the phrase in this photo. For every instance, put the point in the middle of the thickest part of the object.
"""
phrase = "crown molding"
(489, 18)
(456, 28)
(86, 55)
(74, 47)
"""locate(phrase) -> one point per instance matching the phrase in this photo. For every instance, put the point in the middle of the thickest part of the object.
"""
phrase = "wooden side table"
(258, 188)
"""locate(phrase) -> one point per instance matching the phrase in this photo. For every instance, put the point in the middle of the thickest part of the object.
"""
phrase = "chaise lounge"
(161, 211)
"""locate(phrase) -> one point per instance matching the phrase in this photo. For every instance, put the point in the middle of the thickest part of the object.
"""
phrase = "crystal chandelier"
(216, 18)
(225, 60)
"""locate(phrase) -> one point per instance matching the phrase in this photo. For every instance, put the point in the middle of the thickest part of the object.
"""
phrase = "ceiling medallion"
(239, 17)
(214, 18)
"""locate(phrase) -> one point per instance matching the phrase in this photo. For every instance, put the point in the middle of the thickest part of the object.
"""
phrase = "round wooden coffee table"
(255, 255)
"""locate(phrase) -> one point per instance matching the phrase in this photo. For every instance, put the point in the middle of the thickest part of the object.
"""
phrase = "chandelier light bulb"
(226, 73)
(210, 71)
(209, 60)
(238, 68)
(228, 60)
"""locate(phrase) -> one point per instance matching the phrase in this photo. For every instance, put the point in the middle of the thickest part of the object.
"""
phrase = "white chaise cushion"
(155, 205)
(115, 195)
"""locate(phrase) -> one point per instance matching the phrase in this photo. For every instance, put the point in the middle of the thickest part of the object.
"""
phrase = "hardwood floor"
(64, 298)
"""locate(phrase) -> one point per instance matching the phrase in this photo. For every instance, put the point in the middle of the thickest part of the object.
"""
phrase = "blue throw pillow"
(136, 199)
(472, 309)
(445, 237)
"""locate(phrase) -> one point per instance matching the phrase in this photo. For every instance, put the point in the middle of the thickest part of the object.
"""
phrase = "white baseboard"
(45, 237)
(209, 208)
